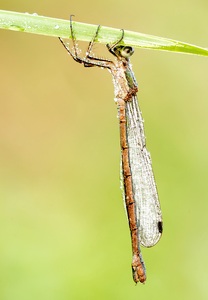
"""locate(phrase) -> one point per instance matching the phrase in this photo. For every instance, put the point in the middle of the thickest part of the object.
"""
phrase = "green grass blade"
(32, 23)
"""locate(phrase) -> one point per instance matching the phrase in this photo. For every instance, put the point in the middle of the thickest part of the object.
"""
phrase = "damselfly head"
(123, 51)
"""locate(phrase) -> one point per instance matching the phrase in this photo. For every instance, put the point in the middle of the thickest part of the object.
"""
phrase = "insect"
(139, 188)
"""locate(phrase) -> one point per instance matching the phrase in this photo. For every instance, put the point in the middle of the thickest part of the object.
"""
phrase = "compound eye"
(124, 51)
(127, 51)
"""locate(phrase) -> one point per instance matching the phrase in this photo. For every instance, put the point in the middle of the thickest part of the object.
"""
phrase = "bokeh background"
(64, 233)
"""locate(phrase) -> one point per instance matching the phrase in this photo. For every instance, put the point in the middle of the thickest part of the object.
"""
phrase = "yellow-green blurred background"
(64, 233)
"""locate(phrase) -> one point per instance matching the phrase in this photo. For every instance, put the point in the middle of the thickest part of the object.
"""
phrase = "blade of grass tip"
(32, 23)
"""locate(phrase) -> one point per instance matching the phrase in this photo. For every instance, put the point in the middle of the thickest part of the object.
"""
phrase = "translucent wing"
(148, 212)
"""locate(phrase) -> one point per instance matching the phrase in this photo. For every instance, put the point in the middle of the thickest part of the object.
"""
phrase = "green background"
(64, 233)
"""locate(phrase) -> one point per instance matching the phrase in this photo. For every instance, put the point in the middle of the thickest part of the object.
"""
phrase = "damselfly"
(139, 188)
